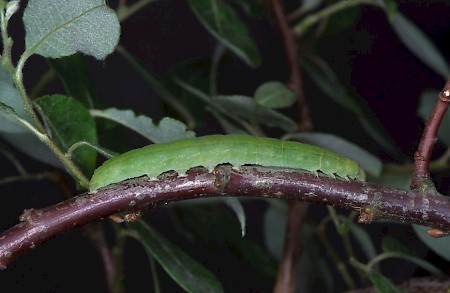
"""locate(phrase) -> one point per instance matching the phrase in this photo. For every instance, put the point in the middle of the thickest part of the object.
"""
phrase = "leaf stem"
(312, 19)
(339, 263)
(126, 11)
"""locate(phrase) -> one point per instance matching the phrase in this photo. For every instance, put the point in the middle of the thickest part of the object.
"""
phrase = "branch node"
(222, 173)
(366, 216)
(445, 95)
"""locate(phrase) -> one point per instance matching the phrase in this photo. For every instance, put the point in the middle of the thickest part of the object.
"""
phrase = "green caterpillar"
(210, 151)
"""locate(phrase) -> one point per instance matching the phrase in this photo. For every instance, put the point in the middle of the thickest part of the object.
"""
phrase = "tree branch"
(421, 176)
(132, 196)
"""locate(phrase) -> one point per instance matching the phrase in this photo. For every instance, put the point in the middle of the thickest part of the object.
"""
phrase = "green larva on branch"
(210, 151)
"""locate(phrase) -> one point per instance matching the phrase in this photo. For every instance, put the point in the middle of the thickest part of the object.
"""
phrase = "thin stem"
(312, 19)
(106, 153)
(381, 257)
(153, 267)
(21, 88)
(71, 167)
(423, 154)
(45, 79)
(339, 263)
(8, 154)
(27, 177)
(218, 53)
(126, 11)
(68, 163)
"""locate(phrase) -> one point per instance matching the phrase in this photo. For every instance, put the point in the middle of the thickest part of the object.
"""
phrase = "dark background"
(368, 58)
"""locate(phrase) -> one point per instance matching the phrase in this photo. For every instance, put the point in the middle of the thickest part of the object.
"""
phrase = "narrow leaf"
(238, 209)
(246, 108)
(31, 145)
(364, 242)
(274, 218)
(184, 270)
(274, 95)
(382, 284)
(367, 161)
(224, 24)
(69, 122)
(309, 5)
(419, 43)
(153, 82)
(12, 106)
(390, 244)
(167, 130)
(314, 273)
(213, 226)
(195, 72)
(75, 76)
(328, 82)
(10, 121)
(60, 28)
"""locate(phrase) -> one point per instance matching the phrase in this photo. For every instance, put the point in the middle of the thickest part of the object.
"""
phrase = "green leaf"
(247, 109)
(10, 121)
(364, 241)
(252, 7)
(214, 227)
(382, 284)
(13, 108)
(167, 130)
(424, 265)
(427, 102)
(274, 218)
(309, 5)
(60, 28)
(76, 79)
(389, 6)
(419, 44)
(184, 270)
(31, 145)
(238, 209)
(153, 82)
(314, 274)
(274, 95)
(195, 72)
(69, 122)
(225, 25)
(438, 245)
(328, 82)
(227, 125)
(390, 244)
(343, 19)
(367, 161)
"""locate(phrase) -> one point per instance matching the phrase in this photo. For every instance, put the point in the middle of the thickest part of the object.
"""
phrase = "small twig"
(27, 177)
(125, 11)
(9, 155)
(330, 249)
(421, 176)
